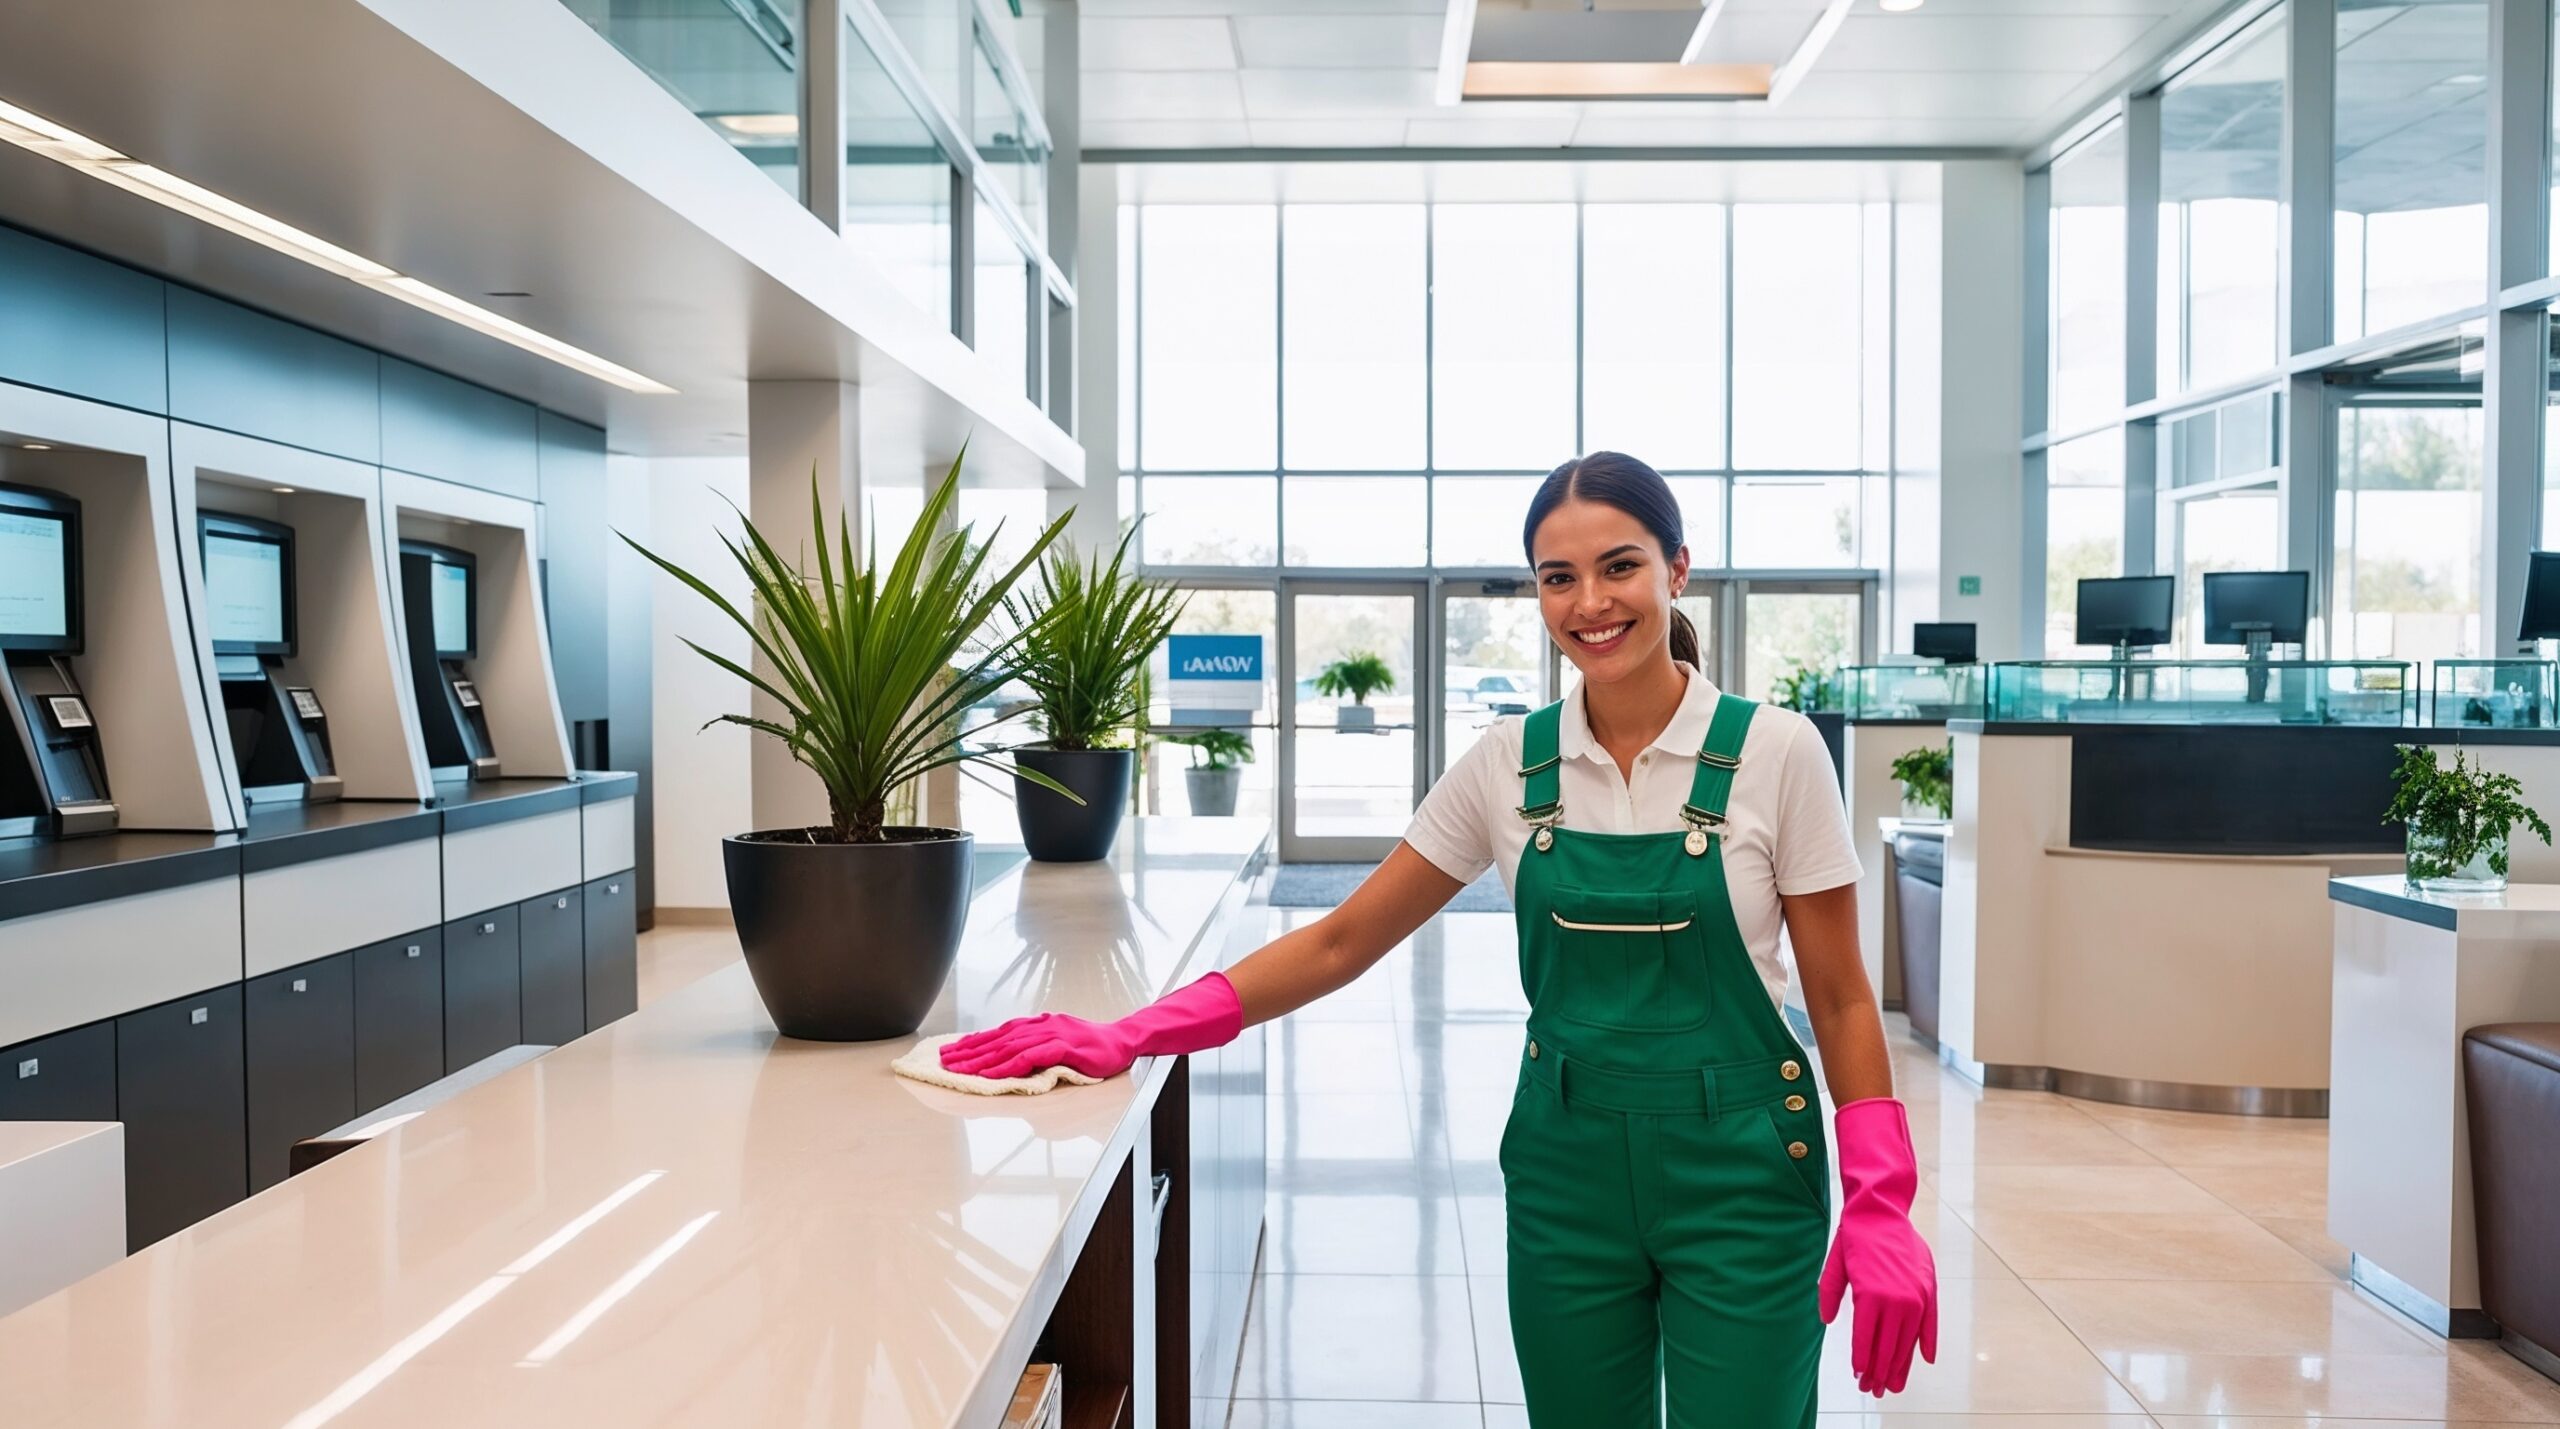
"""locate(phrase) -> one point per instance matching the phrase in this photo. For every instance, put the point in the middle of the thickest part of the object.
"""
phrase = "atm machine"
(279, 732)
(53, 775)
(440, 599)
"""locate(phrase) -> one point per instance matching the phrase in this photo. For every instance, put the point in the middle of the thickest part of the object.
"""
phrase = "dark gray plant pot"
(1213, 791)
(849, 942)
(1059, 830)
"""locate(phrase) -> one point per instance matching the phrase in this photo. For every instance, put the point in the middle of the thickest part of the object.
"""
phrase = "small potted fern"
(2459, 818)
(1218, 757)
(1088, 627)
(850, 927)
(1356, 676)
(1928, 779)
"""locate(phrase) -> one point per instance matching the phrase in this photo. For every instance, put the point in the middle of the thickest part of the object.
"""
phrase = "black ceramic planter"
(1059, 830)
(849, 942)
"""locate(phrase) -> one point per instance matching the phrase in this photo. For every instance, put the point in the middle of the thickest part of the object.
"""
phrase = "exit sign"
(1968, 585)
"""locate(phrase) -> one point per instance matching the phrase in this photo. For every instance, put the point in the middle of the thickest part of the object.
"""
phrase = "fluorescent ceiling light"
(1614, 79)
(760, 126)
(37, 447)
(39, 135)
(1897, 7)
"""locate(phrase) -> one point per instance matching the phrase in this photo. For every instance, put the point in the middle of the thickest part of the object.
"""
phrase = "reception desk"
(2140, 913)
(685, 1219)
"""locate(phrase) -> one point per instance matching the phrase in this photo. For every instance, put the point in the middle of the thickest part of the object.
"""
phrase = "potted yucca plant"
(1086, 627)
(1218, 757)
(1358, 675)
(850, 927)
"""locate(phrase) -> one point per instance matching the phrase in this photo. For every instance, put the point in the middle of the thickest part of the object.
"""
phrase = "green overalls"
(1667, 1187)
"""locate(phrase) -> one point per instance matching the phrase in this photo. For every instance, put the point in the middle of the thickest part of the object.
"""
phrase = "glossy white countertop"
(680, 1219)
(2521, 909)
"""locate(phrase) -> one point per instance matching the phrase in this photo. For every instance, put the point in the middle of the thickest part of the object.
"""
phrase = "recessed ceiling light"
(2467, 79)
(39, 446)
(760, 126)
(39, 135)
(281, 490)
(1896, 7)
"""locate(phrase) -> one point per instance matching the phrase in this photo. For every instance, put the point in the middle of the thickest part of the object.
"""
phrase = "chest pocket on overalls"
(1629, 961)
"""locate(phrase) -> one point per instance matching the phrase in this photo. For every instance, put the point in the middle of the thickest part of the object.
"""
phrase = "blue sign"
(1214, 657)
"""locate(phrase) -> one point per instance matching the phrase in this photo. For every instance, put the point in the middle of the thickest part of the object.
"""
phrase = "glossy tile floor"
(2101, 1267)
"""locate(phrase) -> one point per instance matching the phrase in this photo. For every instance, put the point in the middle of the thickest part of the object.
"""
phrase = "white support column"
(2515, 387)
(2305, 169)
(1985, 212)
(793, 430)
(2141, 331)
(2306, 455)
(1097, 348)
(822, 132)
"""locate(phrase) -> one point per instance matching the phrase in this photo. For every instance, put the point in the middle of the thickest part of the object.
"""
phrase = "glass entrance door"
(1495, 660)
(1353, 701)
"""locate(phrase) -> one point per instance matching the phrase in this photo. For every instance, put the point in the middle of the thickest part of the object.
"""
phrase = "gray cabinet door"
(483, 993)
(613, 949)
(302, 1060)
(399, 1017)
(180, 1076)
(69, 1076)
(555, 973)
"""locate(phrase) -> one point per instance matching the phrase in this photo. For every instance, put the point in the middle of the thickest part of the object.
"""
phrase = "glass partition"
(897, 188)
(2493, 694)
(2361, 692)
(1017, 158)
(2221, 142)
(1005, 287)
(2086, 231)
(2412, 188)
(1913, 692)
(736, 63)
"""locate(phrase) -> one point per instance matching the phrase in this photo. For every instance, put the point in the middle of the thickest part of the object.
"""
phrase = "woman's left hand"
(1878, 1257)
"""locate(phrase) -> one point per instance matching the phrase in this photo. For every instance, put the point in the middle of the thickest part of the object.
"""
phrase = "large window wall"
(2232, 383)
(1378, 387)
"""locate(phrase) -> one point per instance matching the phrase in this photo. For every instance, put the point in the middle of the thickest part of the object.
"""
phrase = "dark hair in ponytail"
(1616, 479)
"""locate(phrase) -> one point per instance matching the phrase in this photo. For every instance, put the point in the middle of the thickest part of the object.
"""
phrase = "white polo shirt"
(1786, 831)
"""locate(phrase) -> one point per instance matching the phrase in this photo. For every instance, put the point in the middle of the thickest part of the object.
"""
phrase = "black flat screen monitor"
(1951, 642)
(453, 598)
(2239, 604)
(39, 571)
(2126, 610)
(248, 584)
(2541, 597)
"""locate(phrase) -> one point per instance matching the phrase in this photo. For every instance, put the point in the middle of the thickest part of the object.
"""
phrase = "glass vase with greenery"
(1928, 779)
(2460, 818)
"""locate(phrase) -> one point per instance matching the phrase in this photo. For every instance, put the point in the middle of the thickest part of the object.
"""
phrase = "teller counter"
(684, 1218)
(2140, 913)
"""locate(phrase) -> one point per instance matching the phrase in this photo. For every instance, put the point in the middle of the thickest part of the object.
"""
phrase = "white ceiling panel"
(1179, 43)
(1168, 134)
(1490, 133)
(1830, 94)
(1152, 8)
(1335, 93)
(1144, 95)
(1339, 41)
(1602, 129)
(1327, 133)
(1923, 40)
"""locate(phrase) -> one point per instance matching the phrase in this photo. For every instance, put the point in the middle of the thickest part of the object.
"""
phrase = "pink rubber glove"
(1878, 1253)
(1203, 1015)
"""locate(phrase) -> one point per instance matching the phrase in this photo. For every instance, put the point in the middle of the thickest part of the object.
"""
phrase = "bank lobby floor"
(2100, 1267)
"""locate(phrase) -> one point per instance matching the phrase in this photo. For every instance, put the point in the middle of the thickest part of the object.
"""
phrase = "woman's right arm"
(1305, 963)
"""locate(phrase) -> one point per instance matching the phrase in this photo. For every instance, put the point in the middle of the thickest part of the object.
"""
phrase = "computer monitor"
(2242, 604)
(453, 598)
(2541, 597)
(1951, 642)
(39, 571)
(2126, 611)
(248, 584)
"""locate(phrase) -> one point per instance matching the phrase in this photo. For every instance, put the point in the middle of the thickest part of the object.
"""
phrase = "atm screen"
(39, 570)
(248, 585)
(449, 600)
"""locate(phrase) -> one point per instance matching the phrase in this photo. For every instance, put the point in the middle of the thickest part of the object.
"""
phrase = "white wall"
(703, 784)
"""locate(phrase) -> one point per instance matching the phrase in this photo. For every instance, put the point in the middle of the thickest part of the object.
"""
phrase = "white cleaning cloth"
(923, 1063)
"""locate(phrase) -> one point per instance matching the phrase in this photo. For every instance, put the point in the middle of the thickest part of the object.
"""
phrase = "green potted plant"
(1218, 757)
(1801, 688)
(1928, 779)
(851, 927)
(1088, 627)
(2459, 819)
(1359, 675)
